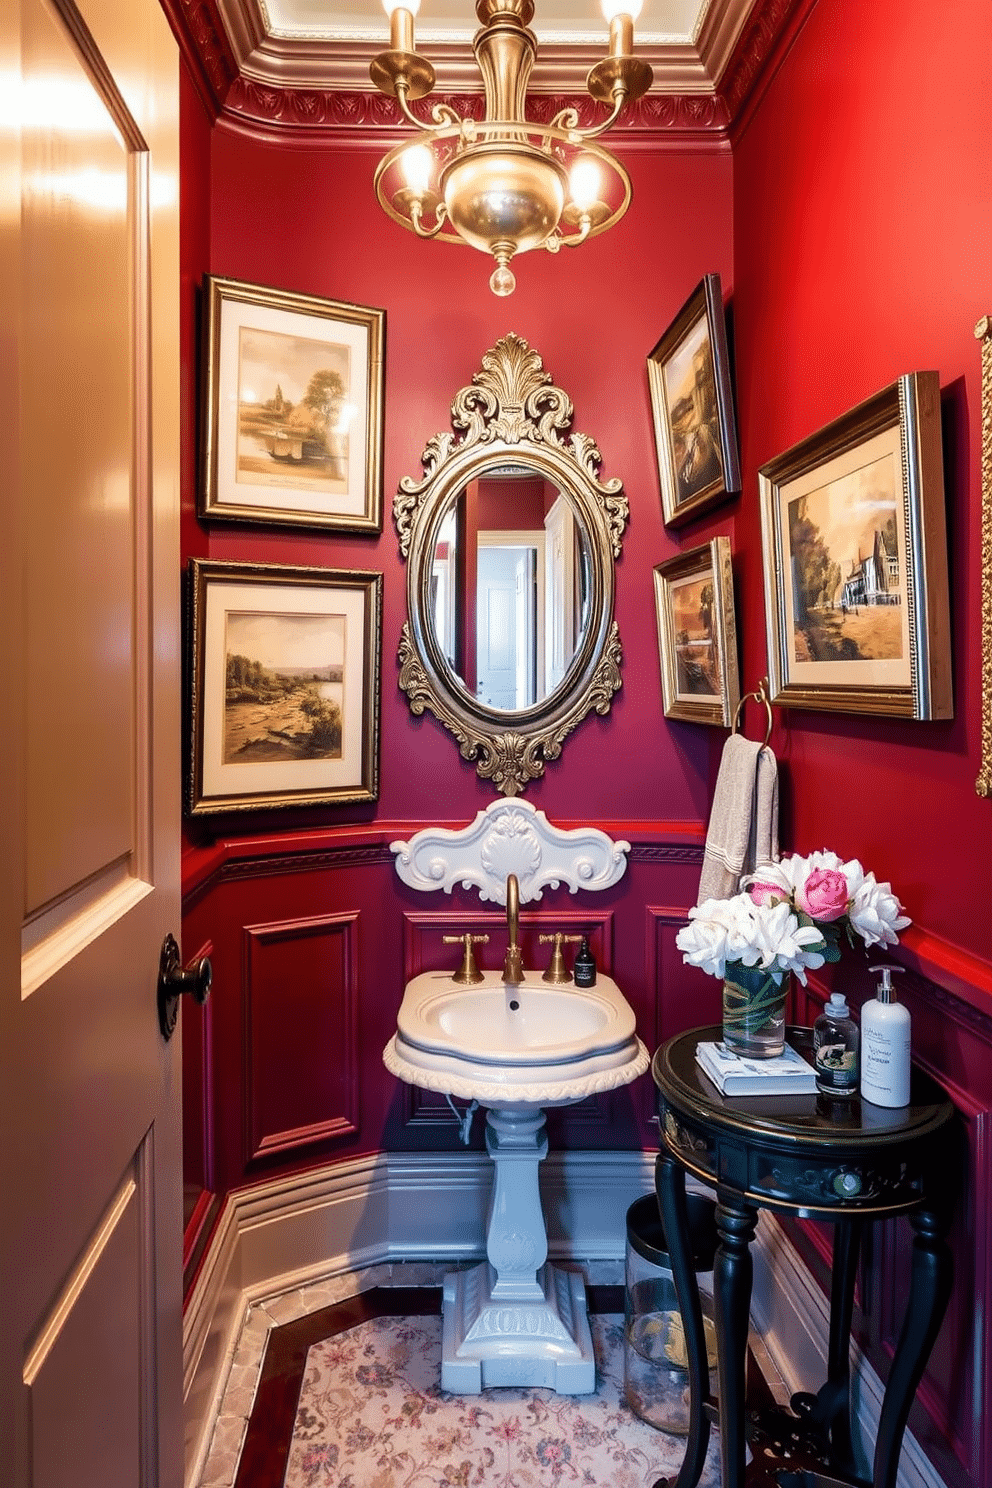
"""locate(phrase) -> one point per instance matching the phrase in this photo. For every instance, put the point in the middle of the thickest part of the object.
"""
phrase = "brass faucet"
(513, 966)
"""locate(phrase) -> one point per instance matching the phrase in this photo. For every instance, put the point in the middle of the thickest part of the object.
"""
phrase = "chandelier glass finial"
(502, 184)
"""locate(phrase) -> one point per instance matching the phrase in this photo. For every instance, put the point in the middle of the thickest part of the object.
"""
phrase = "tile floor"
(220, 1466)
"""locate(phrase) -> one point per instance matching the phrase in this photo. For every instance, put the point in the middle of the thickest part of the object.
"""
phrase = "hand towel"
(743, 826)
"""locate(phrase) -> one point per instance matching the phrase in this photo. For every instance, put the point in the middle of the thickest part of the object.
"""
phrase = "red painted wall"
(307, 220)
(862, 250)
(853, 233)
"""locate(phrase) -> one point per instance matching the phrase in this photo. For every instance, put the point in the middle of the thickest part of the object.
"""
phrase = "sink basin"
(536, 1044)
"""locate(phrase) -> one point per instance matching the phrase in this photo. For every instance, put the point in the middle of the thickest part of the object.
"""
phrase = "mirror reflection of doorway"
(510, 619)
(508, 600)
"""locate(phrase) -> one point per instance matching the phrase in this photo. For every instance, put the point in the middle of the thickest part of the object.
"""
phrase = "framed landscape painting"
(292, 409)
(697, 635)
(695, 432)
(855, 561)
(283, 686)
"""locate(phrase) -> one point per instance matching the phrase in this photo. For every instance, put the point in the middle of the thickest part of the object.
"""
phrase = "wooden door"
(90, 1187)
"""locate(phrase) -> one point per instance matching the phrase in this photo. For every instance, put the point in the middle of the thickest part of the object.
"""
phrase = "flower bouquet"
(790, 917)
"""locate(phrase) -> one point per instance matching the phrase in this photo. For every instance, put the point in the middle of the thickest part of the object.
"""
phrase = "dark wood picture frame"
(695, 430)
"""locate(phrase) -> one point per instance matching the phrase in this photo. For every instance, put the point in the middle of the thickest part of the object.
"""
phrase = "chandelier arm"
(593, 130)
(443, 114)
(572, 240)
(440, 216)
(405, 110)
(567, 118)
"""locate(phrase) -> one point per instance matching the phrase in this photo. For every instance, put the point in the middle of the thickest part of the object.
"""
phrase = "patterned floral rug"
(372, 1414)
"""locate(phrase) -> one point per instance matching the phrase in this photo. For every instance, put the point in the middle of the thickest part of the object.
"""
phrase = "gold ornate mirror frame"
(512, 414)
(983, 332)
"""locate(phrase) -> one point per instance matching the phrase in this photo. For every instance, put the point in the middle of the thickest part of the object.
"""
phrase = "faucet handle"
(468, 971)
(557, 971)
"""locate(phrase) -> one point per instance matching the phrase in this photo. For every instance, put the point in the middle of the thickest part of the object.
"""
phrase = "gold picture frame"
(854, 548)
(697, 635)
(292, 405)
(695, 431)
(983, 333)
(283, 686)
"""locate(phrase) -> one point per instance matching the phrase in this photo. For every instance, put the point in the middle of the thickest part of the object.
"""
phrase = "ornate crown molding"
(766, 36)
(373, 119)
(265, 82)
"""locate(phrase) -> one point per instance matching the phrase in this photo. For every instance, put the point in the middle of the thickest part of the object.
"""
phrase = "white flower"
(783, 941)
(875, 912)
(737, 929)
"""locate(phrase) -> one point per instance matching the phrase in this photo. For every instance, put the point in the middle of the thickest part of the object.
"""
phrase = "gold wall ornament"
(983, 332)
(511, 443)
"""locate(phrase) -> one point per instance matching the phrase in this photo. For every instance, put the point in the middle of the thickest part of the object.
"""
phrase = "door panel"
(81, 229)
(90, 1290)
(83, 1352)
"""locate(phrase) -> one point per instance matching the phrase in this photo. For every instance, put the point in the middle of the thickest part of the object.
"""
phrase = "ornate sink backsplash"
(510, 836)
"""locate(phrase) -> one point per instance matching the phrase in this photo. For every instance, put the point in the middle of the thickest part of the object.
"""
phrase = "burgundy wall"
(863, 212)
(862, 250)
(257, 1101)
(853, 233)
(307, 220)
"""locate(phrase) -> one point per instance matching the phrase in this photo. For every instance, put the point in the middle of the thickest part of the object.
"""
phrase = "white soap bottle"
(885, 1041)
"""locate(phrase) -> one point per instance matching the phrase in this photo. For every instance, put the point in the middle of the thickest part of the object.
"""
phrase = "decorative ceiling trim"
(372, 119)
(772, 28)
(204, 48)
(273, 88)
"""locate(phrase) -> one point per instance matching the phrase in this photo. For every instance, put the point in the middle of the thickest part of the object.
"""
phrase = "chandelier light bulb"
(584, 182)
(417, 164)
(410, 5)
(613, 8)
(502, 280)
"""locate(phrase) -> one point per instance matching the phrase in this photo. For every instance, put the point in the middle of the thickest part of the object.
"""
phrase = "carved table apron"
(817, 1158)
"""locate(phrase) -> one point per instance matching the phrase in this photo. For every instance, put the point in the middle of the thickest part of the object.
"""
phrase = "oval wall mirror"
(510, 539)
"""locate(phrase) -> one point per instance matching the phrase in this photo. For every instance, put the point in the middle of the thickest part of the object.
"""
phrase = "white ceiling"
(329, 43)
(670, 22)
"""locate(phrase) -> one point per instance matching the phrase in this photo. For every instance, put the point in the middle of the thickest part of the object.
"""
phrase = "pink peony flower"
(765, 893)
(824, 896)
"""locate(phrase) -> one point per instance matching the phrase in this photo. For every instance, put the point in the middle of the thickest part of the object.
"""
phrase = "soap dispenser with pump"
(885, 1045)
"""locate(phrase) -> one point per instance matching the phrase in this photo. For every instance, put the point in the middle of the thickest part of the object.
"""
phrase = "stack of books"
(785, 1074)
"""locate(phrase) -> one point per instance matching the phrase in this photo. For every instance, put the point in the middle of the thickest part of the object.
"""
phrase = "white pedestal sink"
(514, 1319)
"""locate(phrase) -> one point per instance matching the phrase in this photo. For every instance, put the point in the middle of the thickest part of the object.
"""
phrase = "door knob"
(174, 979)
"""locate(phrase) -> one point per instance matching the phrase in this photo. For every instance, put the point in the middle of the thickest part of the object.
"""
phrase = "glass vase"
(753, 1011)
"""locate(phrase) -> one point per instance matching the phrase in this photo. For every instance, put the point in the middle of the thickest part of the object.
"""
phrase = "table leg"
(670, 1185)
(733, 1273)
(829, 1410)
(929, 1290)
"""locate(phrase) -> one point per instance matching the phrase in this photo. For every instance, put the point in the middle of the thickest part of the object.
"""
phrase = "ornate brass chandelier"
(503, 184)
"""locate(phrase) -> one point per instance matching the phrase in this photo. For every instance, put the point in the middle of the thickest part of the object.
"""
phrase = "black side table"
(816, 1158)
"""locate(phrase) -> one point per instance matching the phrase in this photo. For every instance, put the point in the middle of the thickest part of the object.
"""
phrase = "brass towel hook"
(760, 695)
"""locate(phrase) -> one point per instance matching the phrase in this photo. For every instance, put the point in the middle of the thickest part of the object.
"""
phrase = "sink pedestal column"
(515, 1320)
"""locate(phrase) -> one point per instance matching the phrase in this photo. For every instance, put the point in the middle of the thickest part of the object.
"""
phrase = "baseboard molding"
(274, 1237)
(293, 1232)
